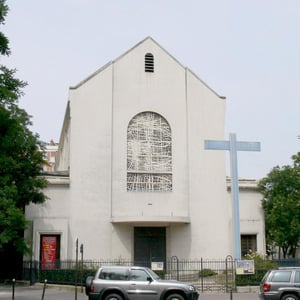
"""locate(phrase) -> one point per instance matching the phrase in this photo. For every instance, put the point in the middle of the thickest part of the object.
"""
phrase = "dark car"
(281, 284)
(136, 283)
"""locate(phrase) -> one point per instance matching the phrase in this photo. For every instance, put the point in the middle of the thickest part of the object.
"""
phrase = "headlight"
(191, 288)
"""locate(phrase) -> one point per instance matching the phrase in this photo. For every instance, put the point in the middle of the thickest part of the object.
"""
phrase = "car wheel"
(175, 297)
(113, 297)
(289, 297)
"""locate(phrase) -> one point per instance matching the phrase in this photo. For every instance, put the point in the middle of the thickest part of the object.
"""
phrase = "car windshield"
(153, 274)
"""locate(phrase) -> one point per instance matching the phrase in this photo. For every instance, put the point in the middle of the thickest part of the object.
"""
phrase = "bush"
(64, 276)
(261, 267)
(260, 262)
(206, 273)
(161, 274)
(251, 279)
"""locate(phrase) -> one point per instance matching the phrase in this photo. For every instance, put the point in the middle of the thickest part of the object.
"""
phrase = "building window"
(248, 243)
(149, 153)
(149, 62)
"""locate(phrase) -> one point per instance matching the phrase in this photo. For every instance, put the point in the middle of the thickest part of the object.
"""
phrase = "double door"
(149, 245)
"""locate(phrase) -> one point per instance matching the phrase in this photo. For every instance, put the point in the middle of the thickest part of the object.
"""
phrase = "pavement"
(37, 292)
(56, 292)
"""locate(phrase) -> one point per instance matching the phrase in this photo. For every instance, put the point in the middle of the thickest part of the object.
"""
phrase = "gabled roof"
(137, 45)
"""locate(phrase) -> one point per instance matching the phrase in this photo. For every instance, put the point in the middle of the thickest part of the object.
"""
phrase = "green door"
(149, 245)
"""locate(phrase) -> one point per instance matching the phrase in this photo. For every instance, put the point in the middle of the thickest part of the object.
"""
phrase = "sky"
(245, 50)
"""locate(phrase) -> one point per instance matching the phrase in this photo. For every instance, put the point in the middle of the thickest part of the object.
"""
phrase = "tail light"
(92, 289)
(267, 287)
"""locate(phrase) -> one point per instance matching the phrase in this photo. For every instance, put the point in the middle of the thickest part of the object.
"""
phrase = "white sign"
(244, 267)
(157, 266)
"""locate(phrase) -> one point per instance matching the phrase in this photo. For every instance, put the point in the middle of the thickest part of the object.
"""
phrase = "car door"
(141, 288)
(112, 277)
(297, 280)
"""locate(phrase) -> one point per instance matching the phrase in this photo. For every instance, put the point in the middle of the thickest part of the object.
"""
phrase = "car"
(281, 284)
(135, 283)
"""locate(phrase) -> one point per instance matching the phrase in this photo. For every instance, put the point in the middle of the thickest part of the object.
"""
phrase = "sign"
(245, 267)
(157, 266)
(49, 247)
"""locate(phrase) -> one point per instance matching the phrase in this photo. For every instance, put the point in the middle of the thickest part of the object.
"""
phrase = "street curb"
(59, 286)
(247, 289)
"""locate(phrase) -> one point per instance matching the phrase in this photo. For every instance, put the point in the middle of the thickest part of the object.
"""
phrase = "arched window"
(149, 62)
(149, 153)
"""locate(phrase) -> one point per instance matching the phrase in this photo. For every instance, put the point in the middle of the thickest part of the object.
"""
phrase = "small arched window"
(149, 153)
(149, 62)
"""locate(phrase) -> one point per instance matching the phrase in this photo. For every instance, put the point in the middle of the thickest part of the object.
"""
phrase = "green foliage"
(161, 274)
(20, 157)
(281, 204)
(4, 49)
(261, 264)
(65, 276)
(206, 273)
(250, 280)
(12, 220)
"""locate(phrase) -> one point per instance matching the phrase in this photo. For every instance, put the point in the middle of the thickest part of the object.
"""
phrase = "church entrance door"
(149, 245)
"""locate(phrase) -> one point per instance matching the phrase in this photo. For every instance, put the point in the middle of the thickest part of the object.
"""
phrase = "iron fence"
(206, 275)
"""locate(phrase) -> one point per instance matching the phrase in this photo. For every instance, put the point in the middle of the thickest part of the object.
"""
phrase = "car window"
(266, 276)
(139, 275)
(114, 274)
(297, 277)
(281, 276)
(153, 274)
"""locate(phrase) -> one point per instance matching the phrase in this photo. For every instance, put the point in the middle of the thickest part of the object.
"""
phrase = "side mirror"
(149, 279)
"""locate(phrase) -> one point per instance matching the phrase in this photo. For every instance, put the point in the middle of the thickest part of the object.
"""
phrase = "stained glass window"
(149, 153)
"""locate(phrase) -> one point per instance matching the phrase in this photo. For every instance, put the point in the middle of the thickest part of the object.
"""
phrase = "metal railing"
(206, 275)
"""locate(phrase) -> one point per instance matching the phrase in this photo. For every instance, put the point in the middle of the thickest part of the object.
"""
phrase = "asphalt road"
(65, 293)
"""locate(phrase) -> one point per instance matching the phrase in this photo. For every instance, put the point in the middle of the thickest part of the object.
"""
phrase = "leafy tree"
(21, 158)
(281, 204)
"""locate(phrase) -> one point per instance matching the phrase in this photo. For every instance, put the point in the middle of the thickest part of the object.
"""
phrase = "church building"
(133, 179)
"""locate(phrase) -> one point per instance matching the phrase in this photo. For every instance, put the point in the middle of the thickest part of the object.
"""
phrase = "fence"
(206, 275)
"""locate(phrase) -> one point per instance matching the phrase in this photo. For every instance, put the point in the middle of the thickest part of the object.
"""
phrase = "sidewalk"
(57, 292)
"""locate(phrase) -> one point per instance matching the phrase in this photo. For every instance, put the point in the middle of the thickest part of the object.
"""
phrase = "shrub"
(206, 273)
(250, 279)
(64, 276)
(260, 262)
(261, 267)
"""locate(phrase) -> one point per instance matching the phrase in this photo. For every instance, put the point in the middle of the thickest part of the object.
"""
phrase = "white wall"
(51, 217)
(96, 207)
(252, 216)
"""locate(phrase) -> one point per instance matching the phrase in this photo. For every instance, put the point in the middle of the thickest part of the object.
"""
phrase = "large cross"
(233, 146)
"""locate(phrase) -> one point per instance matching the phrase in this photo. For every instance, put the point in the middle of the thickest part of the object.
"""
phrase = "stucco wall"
(96, 207)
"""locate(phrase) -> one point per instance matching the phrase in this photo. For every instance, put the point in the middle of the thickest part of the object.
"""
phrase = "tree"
(281, 204)
(21, 158)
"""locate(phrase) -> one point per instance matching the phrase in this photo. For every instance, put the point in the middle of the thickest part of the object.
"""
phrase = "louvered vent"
(149, 62)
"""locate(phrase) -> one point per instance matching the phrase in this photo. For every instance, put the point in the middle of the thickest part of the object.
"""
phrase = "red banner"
(49, 244)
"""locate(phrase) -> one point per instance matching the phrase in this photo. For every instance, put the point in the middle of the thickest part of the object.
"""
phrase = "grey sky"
(245, 50)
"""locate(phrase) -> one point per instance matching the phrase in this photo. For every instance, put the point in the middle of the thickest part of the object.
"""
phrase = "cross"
(233, 146)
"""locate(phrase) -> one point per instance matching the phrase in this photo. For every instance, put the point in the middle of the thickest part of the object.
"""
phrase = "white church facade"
(133, 179)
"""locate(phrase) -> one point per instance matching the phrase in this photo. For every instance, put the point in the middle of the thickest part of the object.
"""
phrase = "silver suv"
(281, 284)
(135, 283)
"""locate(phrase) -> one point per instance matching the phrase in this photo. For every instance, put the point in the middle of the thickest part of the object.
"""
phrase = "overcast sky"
(245, 50)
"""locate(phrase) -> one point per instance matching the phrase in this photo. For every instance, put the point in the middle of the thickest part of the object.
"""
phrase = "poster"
(244, 267)
(49, 247)
(157, 266)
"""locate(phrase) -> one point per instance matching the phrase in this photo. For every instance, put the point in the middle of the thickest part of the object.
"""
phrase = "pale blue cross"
(233, 146)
